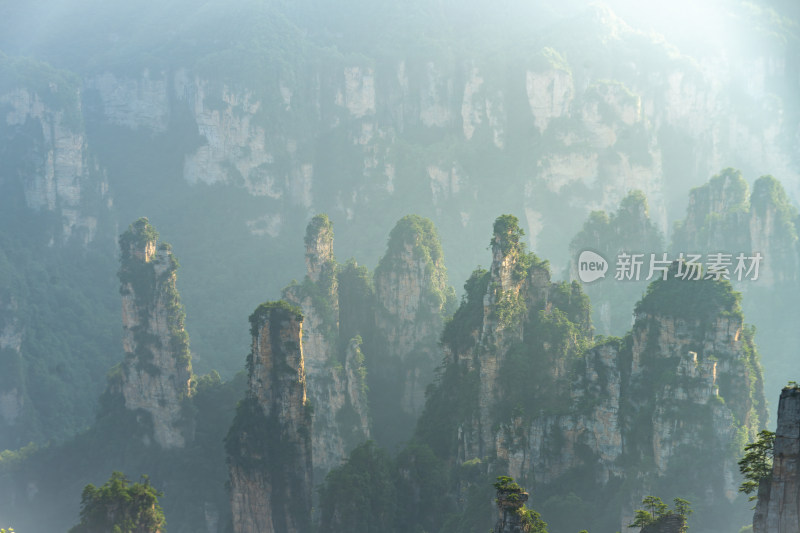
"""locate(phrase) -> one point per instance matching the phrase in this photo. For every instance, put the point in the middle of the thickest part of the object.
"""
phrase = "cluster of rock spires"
(603, 409)
(778, 507)
(355, 336)
(335, 388)
(679, 387)
(725, 215)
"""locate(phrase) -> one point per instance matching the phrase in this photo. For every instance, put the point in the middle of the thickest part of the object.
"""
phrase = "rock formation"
(669, 523)
(509, 504)
(412, 297)
(269, 443)
(778, 507)
(512, 515)
(396, 327)
(629, 230)
(533, 397)
(335, 371)
(724, 216)
(157, 369)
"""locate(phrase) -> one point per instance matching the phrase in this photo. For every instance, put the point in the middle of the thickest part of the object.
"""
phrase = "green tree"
(121, 507)
(361, 495)
(655, 506)
(682, 507)
(655, 510)
(756, 465)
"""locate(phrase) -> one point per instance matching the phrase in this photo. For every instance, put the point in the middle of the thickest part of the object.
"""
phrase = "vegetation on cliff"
(656, 512)
(120, 506)
(756, 464)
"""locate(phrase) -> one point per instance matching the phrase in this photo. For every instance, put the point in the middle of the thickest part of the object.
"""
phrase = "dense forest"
(313, 266)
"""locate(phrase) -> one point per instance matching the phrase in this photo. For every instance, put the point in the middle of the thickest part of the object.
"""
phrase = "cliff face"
(335, 372)
(157, 368)
(49, 164)
(606, 128)
(658, 408)
(269, 444)
(778, 507)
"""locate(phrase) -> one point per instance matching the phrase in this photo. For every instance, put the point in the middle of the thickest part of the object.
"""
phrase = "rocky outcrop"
(669, 523)
(335, 371)
(778, 507)
(537, 400)
(412, 296)
(155, 374)
(269, 443)
(512, 514)
(509, 504)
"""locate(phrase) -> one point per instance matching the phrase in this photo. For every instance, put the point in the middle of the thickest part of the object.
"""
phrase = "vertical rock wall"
(778, 507)
(157, 368)
(269, 443)
(334, 370)
(412, 296)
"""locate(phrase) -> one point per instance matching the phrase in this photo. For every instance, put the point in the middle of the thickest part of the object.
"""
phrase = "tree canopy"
(121, 507)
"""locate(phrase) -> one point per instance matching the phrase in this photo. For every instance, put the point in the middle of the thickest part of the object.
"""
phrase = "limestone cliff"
(615, 110)
(335, 371)
(269, 443)
(48, 160)
(412, 297)
(156, 372)
(778, 507)
(658, 408)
